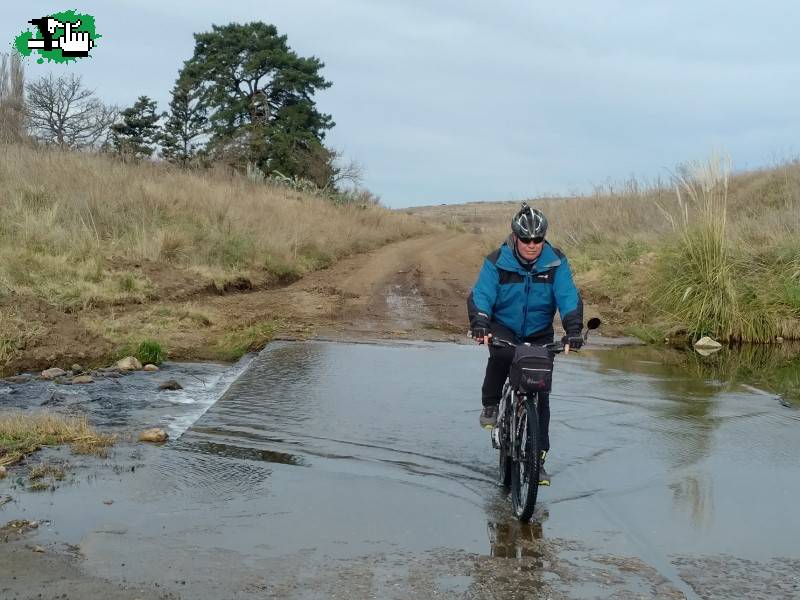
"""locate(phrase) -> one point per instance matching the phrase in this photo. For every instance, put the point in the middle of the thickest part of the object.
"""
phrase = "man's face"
(529, 251)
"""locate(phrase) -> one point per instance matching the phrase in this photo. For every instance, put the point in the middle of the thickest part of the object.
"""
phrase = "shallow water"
(362, 465)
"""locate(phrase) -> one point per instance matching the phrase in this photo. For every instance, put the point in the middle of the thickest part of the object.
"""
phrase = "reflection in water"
(238, 451)
(687, 401)
(774, 368)
(511, 539)
(690, 397)
(696, 493)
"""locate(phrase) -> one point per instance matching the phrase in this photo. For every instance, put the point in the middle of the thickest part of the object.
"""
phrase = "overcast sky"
(453, 101)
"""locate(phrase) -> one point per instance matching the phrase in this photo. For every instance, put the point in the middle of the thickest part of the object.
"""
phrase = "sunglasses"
(536, 240)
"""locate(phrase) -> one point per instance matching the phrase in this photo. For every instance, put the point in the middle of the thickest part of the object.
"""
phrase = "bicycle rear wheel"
(525, 468)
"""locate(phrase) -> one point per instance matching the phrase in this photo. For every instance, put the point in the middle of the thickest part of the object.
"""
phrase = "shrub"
(150, 352)
(704, 283)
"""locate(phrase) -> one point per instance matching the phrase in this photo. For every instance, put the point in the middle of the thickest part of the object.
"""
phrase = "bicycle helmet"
(529, 223)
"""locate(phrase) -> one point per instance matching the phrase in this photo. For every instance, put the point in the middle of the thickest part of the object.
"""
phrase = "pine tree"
(137, 134)
(258, 92)
(187, 121)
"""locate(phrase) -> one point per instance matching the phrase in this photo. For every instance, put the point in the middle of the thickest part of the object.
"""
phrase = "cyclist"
(515, 298)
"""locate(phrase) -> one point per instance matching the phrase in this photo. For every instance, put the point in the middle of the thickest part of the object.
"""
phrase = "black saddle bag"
(532, 369)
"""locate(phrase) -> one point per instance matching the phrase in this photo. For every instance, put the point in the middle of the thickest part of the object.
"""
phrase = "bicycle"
(516, 434)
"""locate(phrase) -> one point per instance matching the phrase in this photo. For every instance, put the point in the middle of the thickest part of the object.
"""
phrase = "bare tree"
(12, 98)
(62, 112)
(348, 171)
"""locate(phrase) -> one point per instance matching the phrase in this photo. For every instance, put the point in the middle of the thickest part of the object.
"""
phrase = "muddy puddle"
(358, 471)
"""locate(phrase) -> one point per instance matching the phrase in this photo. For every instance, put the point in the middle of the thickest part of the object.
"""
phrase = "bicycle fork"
(497, 430)
(517, 425)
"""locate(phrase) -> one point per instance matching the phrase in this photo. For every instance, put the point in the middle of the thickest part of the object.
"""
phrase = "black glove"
(479, 333)
(480, 327)
(574, 341)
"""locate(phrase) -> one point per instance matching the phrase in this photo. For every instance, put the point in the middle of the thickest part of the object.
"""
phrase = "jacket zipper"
(525, 311)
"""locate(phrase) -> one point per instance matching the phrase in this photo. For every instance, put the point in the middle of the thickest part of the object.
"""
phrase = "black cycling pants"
(497, 368)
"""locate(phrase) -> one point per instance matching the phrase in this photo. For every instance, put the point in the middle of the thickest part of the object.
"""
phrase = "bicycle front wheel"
(527, 460)
(504, 463)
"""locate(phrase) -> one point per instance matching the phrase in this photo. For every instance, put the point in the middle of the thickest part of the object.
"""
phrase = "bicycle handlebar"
(553, 347)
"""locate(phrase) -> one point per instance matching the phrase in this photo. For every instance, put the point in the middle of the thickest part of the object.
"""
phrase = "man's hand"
(75, 41)
(571, 342)
(481, 331)
(482, 335)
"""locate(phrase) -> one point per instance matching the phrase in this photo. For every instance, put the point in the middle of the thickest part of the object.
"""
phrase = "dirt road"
(413, 289)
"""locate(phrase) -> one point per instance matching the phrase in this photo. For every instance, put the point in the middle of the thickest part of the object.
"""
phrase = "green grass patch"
(150, 352)
(616, 278)
(315, 258)
(630, 251)
(253, 338)
(284, 271)
(791, 293)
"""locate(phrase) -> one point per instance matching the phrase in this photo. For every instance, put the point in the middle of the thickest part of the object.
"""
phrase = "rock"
(151, 368)
(3, 472)
(170, 384)
(53, 373)
(153, 435)
(779, 340)
(707, 343)
(705, 346)
(38, 549)
(76, 368)
(18, 379)
(108, 502)
(82, 379)
(129, 363)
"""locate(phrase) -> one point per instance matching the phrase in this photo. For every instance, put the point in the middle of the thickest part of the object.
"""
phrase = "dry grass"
(45, 470)
(743, 244)
(15, 334)
(23, 433)
(65, 216)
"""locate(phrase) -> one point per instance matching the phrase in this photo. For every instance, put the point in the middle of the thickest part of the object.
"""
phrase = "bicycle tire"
(525, 468)
(504, 462)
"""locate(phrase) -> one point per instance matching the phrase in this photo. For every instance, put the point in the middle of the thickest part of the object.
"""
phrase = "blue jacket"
(523, 300)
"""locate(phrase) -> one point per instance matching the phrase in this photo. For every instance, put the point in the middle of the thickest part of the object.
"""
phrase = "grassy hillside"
(708, 254)
(70, 223)
(81, 231)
